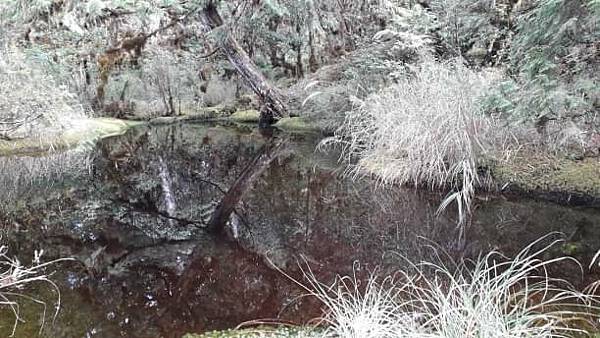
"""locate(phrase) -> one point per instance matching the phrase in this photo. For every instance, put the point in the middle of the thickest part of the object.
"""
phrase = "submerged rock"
(296, 124)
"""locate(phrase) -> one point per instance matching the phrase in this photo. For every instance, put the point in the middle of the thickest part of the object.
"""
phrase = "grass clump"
(427, 129)
(489, 297)
(14, 277)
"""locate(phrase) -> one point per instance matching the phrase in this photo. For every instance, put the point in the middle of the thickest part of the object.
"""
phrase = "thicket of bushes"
(439, 123)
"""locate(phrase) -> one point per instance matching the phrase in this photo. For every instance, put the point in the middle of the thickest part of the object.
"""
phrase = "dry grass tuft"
(491, 297)
(427, 129)
(14, 277)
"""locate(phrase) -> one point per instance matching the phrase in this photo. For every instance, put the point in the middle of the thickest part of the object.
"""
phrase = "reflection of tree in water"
(163, 270)
(196, 175)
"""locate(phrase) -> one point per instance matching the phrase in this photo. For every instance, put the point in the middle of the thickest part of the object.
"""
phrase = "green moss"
(98, 128)
(216, 112)
(296, 124)
(197, 114)
(551, 174)
(246, 116)
(571, 248)
(260, 332)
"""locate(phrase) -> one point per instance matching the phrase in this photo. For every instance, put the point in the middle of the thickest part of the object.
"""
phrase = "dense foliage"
(322, 59)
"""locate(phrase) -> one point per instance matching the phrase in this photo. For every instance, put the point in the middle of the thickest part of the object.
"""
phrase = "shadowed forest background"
(187, 166)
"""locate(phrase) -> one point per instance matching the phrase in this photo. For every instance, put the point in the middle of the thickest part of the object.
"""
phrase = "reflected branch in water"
(261, 162)
(243, 183)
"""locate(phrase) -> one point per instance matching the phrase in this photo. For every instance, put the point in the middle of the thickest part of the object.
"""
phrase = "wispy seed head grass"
(490, 297)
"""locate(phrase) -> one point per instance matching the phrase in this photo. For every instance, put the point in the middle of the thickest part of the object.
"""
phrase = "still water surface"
(137, 221)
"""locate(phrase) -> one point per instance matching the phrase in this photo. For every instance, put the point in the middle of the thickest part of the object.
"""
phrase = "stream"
(150, 260)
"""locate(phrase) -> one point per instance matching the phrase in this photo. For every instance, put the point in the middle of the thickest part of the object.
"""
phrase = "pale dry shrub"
(326, 95)
(220, 91)
(356, 311)
(492, 297)
(36, 110)
(427, 129)
(32, 104)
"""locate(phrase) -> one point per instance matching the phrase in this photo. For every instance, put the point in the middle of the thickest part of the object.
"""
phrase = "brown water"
(136, 220)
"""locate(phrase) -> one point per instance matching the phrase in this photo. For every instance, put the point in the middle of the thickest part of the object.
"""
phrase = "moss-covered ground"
(245, 116)
(536, 173)
(80, 131)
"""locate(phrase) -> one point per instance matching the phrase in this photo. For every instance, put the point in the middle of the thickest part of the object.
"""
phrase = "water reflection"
(149, 266)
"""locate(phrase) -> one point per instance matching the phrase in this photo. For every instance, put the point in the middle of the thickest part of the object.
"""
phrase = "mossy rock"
(216, 112)
(246, 116)
(560, 179)
(193, 114)
(98, 128)
(571, 248)
(296, 124)
(261, 332)
(80, 131)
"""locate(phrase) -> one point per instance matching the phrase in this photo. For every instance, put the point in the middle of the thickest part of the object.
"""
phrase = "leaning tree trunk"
(272, 99)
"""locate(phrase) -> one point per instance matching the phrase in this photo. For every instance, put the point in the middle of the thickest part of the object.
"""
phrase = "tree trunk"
(313, 64)
(298, 48)
(273, 101)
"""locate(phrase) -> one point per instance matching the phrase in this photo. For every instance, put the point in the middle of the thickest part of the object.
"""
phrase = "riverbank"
(242, 116)
(80, 131)
(551, 178)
